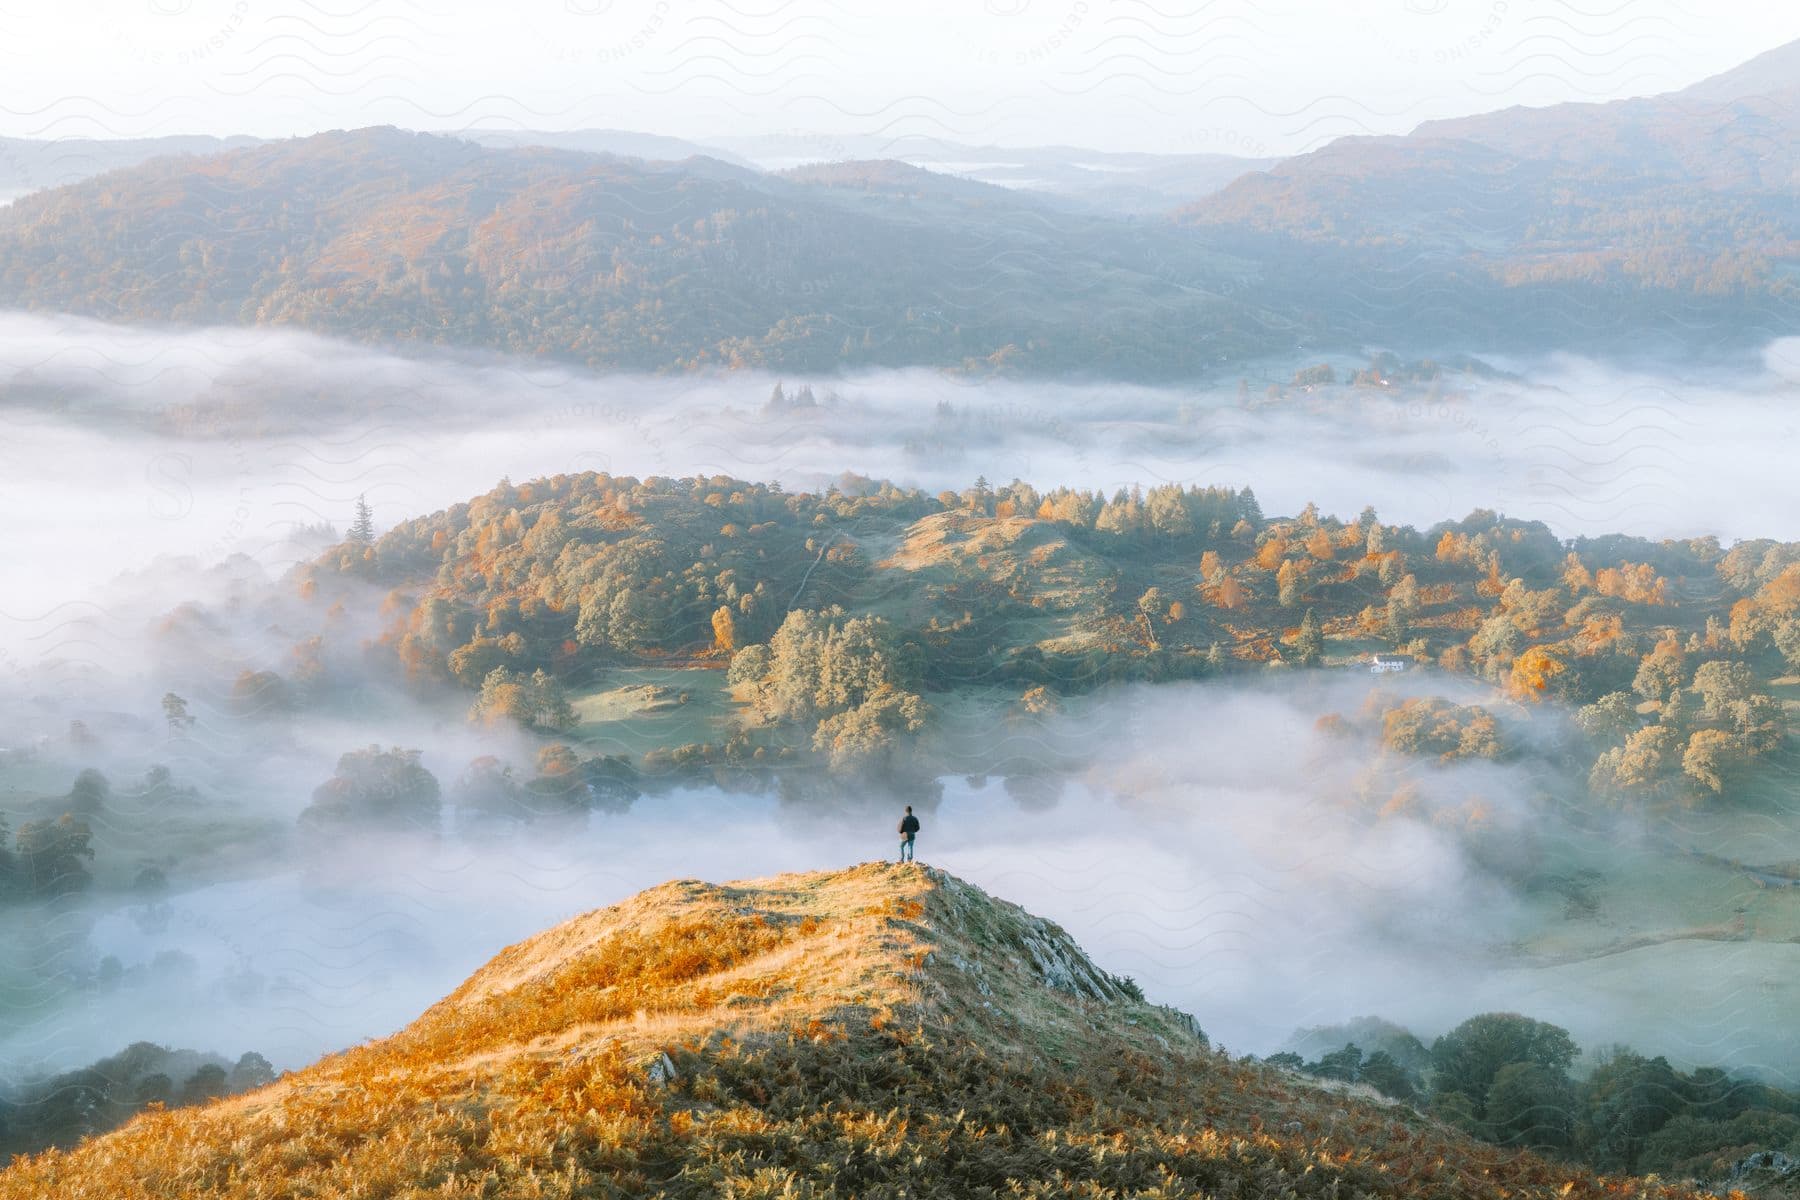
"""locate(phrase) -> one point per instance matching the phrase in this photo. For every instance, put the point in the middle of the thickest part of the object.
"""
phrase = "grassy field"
(649, 708)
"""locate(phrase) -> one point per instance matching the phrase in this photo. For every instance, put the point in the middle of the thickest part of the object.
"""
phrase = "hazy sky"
(1238, 76)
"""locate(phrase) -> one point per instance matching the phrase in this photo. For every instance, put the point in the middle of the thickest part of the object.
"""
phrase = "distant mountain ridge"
(880, 1030)
(1684, 201)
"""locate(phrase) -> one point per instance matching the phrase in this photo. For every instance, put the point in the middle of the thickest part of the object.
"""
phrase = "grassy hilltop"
(877, 1031)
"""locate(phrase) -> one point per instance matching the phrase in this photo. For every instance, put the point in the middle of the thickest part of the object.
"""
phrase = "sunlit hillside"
(882, 1030)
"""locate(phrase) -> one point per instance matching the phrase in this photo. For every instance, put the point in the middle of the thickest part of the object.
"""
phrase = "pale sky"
(1236, 76)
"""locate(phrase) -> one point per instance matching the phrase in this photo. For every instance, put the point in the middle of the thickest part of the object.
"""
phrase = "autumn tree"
(1760, 722)
(1640, 766)
(550, 708)
(1575, 575)
(1496, 643)
(378, 788)
(537, 701)
(1780, 596)
(1532, 673)
(748, 665)
(1167, 511)
(724, 626)
(1309, 642)
(1635, 583)
(1287, 584)
(1435, 726)
(1230, 594)
(867, 735)
(502, 697)
(1787, 641)
(848, 676)
(1712, 755)
(1662, 671)
(1610, 719)
(1719, 684)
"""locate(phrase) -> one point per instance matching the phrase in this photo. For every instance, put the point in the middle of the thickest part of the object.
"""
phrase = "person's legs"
(906, 849)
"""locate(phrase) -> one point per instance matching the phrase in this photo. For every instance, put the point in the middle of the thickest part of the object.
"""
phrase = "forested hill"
(1635, 214)
(877, 1031)
(619, 263)
(1674, 655)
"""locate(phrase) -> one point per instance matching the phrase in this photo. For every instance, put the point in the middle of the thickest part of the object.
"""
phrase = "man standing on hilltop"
(909, 829)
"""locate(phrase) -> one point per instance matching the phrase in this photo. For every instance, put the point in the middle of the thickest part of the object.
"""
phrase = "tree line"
(1508, 1079)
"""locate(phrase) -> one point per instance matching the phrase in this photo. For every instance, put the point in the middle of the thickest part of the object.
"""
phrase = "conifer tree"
(362, 529)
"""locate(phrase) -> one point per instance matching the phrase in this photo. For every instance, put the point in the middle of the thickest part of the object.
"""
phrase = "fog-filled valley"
(1212, 839)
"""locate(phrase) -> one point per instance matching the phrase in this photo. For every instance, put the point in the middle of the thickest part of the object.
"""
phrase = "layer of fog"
(1248, 886)
(124, 442)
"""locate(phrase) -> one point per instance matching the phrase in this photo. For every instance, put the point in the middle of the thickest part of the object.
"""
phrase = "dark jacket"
(909, 824)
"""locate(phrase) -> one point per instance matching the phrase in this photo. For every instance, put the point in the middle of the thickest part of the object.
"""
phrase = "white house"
(1382, 664)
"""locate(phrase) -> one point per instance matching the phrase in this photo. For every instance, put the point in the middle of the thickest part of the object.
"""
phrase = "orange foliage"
(1230, 594)
(1780, 597)
(1532, 672)
(1598, 633)
(1635, 583)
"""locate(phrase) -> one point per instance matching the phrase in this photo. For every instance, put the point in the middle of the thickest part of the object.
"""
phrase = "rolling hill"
(876, 1031)
(621, 263)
